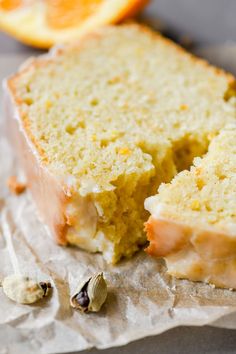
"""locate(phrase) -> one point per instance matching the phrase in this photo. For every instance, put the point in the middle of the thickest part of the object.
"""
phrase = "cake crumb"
(15, 186)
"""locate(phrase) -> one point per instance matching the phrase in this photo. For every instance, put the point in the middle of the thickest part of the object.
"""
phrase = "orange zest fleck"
(124, 151)
(183, 107)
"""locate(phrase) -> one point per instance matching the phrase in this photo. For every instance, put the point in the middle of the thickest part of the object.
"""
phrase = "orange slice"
(9, 4)
(42, 23)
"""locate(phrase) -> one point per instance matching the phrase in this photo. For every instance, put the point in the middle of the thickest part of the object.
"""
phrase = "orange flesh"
(9, 4)
(62, 14)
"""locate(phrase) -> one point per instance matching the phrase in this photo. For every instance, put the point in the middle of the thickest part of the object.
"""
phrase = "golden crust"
(39, 180)
(24, 119)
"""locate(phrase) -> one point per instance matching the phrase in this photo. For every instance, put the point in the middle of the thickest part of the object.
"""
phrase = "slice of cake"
(101, 123)
(193, 218)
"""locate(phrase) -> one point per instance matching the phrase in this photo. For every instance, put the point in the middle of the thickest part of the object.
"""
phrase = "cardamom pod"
(90, 294)
(24, 290)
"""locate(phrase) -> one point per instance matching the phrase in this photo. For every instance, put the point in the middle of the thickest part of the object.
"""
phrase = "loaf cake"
(101, 123)
(193, 222)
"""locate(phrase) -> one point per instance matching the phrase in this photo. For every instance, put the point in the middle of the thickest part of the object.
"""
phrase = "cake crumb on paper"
(15, 186)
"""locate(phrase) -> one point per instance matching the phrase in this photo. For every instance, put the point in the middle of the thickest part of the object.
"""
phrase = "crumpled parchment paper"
(142, 300)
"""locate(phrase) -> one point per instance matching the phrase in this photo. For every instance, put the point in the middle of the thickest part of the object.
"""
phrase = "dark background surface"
(205, 22)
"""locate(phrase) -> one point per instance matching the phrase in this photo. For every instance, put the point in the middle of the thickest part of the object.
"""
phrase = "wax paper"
(142, 299)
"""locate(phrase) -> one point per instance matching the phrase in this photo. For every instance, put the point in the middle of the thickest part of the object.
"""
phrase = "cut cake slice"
(101, 123)
(193, 218)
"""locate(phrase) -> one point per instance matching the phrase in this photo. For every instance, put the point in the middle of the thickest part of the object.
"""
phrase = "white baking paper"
(142, 299)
